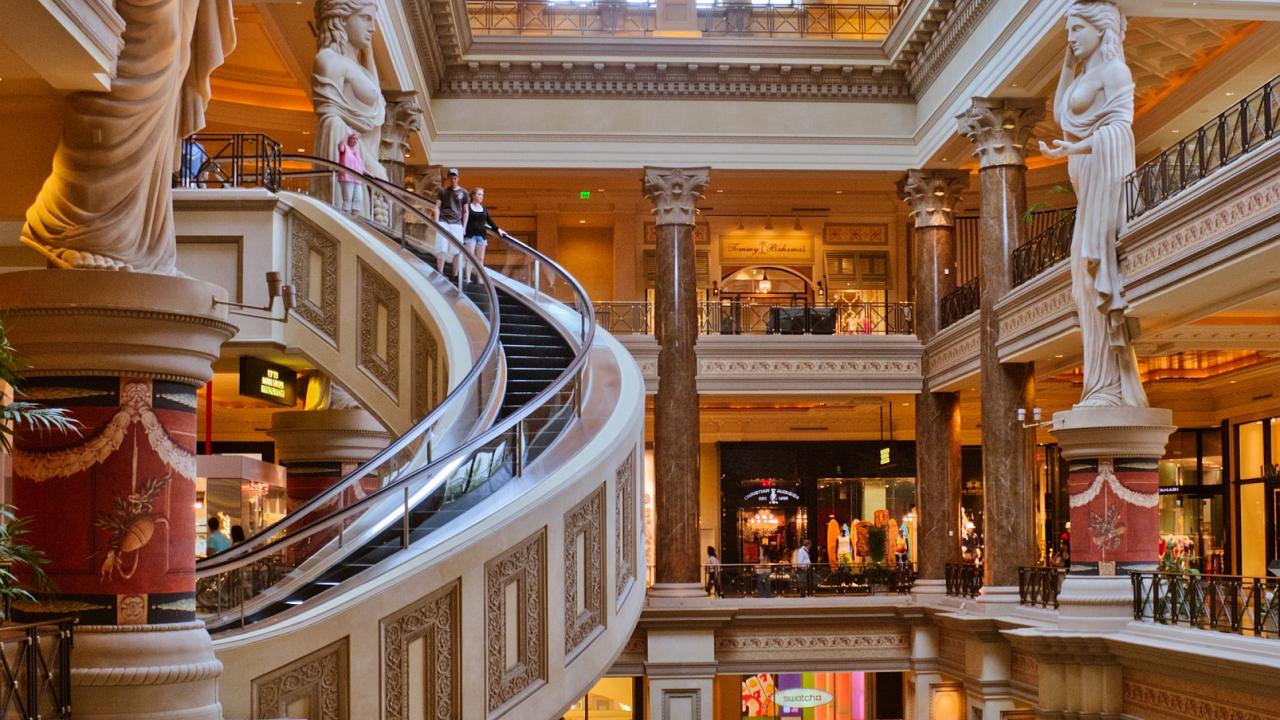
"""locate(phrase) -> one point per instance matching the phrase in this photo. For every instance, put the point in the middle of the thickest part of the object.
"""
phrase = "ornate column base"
(929, 588)
(663, 592)
(343, 435)
(145, 672)
(998, 599)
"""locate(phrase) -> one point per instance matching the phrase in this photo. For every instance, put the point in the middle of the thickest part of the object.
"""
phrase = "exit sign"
(584, 194)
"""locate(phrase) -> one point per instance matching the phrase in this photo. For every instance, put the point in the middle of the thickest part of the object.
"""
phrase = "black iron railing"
(1226, 603)
(220, 160)
(736, 317)
(1242, 128)
(35, 670)
(1045, 250)
(963, 579)
(787, 580)
(961, 302)
(1039, 585)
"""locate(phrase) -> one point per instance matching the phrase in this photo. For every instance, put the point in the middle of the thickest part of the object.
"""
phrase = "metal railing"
(731, 317)
(1226, 603)
(1039, 585)
(35, 674)
(217, 160)
(796, 19)
(786, 580)
(963, 579)
(1240, 129)
(1045, 250)
(239, 582)
(960, 303)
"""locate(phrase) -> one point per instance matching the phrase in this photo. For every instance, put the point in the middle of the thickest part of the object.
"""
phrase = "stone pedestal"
(318, 447)
(1000, 130)
(675, 446)
(1114, 495)
(113, 508)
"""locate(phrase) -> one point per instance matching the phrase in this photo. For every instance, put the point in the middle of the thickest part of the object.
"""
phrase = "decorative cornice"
(674, 192)
(942, 45)
(1001, 128)
(933, 195)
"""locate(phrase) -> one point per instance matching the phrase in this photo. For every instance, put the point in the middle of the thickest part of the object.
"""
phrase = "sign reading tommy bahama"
(742, 247)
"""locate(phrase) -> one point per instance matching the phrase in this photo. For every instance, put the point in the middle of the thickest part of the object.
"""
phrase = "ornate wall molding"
(308, 243)
(951, 648)
(375, 292)
(944, 43)
(625, 528)
(508, 679)
(320, 680)
(1153, 697)
(812, 643)
(855, 234)
(586, 518)
(427, 382)
(1025, 671)
(437, 621)
(701, 233)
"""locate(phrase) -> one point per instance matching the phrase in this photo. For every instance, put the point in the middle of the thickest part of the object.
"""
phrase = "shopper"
(713, 572)
(451, 213)
(479, 223)
(350, 197)
(237, 534)
(803, 569)
(216, 542)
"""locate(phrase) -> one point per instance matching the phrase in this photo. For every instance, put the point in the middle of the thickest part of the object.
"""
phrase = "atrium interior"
(640, 359)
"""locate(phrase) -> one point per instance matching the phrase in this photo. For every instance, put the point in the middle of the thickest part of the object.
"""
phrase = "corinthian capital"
(933, 195)
(674, 191)
(404, 117)
(1001, 128)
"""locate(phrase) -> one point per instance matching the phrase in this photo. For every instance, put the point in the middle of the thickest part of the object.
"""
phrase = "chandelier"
(764, 520)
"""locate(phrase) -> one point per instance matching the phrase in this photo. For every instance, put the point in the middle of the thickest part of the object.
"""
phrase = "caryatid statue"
(107, 203)
(344, 82)
(1094, 107)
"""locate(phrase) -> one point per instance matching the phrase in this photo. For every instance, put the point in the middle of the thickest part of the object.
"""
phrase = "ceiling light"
(306, 132)
(582, 222)
(839, 192)
(302, 149)
(939, 192)
(719, 191)
(1230, 94)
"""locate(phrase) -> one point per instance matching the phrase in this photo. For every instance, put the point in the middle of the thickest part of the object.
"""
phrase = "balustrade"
(1226, 603)
(1045, 250)
(787, 580)
(961, 302)
(963, 579)
(1039, 585)
(35, 676)
(725, 317)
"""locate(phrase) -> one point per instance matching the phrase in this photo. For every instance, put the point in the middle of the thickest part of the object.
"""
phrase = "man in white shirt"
(801, 562)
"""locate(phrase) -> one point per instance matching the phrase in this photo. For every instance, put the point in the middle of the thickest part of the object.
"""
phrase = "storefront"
(816, 696)
(1256, 491)
(1193, 502)
(776, 495)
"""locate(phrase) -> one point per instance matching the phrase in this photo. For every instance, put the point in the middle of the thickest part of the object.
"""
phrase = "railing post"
(240, 589)
(518, 457)
(537, 273)
(1259, 621)
(33, 676)
(404, 525)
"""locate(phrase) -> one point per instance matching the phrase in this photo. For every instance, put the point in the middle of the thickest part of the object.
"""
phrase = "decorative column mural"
(674, 193)
(1000, 129)
(933, 196)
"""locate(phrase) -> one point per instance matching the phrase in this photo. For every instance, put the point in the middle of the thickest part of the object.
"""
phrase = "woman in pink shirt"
(349, 199)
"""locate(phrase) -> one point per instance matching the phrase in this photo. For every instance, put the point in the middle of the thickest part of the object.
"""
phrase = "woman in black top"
(479, 222)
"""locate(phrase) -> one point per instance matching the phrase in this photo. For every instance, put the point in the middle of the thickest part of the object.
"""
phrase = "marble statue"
(344, 82)
(106, 204)
(1094, 107)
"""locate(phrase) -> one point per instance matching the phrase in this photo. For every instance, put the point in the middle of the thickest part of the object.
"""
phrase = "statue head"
(346, 23)
(1095, 26)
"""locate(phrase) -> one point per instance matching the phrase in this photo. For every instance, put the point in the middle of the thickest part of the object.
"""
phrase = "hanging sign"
(743, 247)
(267, 381)
(802, 697)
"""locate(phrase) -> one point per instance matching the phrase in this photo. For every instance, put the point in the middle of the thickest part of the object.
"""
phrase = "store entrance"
(771, 520)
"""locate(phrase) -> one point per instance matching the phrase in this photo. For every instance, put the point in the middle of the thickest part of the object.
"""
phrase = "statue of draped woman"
(107, 202)
(344, 82)
(1094, 107)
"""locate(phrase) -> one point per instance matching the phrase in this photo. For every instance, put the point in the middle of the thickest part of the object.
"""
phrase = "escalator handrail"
(225, 562)
(415, 431)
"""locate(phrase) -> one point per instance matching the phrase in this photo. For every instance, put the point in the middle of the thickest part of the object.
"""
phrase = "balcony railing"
(794, 19)
(217, 160)
(1045, 250)
(963, 579)
(35, 675)
(787, 580)
(961, 302)
(1226, 603)
(1241, 129)
(1039, 586)
(730, 317)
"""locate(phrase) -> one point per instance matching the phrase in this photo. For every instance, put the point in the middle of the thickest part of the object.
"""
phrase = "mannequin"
(844, 547)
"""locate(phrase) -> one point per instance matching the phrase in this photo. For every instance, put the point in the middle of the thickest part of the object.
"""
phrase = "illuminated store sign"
(771, 496)
(885, 457)
(267, 381)
(802, 697)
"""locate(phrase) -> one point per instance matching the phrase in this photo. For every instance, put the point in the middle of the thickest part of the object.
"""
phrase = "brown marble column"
(403, 118)
(1000, 129)
(933, 195)
(674, 193)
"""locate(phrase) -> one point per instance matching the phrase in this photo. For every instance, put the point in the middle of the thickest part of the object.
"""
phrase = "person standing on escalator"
(350, 198)
(479, 223)
(451, 213)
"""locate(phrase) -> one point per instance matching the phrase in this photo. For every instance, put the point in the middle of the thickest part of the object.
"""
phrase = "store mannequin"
(844, 547)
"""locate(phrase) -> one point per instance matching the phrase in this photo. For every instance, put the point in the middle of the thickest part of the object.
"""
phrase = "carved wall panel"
(379, 328)
(1155, 696)
(316, 685)
(855, 234)
(681, 703)
(797, 643)
(585, 519)
(625, 523)
(436, 620)
(313, 270)
(425, 366)
(515, 591)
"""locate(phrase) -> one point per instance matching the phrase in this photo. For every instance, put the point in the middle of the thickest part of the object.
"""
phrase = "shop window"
(1253, 526)
(1192, 502)
(611, 698)
(1249, 438)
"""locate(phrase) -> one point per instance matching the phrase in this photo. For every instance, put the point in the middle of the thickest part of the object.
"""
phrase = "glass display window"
(1193, 527)
(1256, 495)
(611, 698)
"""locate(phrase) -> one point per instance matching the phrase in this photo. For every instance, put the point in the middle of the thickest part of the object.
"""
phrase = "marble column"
(673, 193)
(403, 118)
(1000, 129)
(933, 196)
(113, 507)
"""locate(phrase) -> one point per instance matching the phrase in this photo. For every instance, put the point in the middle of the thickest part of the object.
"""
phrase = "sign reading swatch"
(802, 697)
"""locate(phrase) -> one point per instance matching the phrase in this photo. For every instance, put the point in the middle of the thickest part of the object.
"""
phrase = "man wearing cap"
(451, 213)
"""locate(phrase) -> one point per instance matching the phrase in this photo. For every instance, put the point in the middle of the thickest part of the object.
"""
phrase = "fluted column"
(673, 193)
(1000, 129)
(933, 196)
(403, 118)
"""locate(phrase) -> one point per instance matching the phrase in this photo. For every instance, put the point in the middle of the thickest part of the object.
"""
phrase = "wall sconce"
(740, 225)
(798, 226)
(765, 285)
(1035, 415)
(768, 223)
(275, 289)
(822, 291)
(715, 289)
